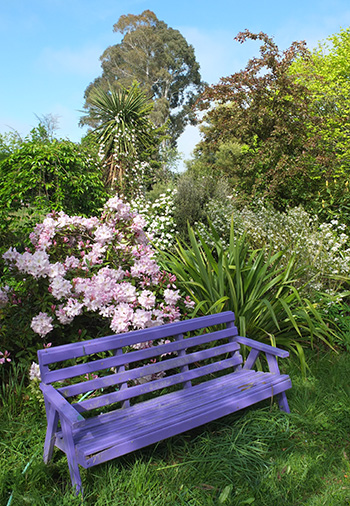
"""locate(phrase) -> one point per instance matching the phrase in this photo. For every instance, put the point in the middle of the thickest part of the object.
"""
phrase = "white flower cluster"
(322, 248)
(34, 372)
(42, 324)
(159, 218)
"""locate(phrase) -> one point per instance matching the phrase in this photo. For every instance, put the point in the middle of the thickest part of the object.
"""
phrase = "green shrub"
(333, 201)
(192, 197)
(56, 174)
(44, 175)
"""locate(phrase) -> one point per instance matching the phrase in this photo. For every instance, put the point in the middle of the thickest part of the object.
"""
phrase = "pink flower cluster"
(5, 357)
(42, 324)
(102, 265)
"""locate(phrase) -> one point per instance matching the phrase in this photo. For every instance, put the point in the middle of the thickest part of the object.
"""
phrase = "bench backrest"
(142, 361)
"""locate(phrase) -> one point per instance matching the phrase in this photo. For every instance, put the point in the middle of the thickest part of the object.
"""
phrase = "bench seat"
(114, 434)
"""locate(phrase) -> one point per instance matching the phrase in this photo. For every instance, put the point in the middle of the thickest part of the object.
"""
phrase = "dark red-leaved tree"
(270, 114)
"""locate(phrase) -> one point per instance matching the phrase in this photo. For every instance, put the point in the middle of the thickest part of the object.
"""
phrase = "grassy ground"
(259, 456)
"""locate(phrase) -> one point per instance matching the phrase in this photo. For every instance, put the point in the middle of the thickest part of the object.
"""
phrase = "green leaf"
(225, 494)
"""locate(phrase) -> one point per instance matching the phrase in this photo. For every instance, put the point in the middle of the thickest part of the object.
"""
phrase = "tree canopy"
(327, 75)
(264, 117)
(162, 62)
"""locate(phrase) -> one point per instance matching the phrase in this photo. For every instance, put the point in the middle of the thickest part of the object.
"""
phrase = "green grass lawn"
(258, 456)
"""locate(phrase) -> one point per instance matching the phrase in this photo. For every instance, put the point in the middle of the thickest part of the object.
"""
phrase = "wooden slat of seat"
(102, 425)
(142, 409)
(206, 394)
(197, 418)
(147, 412)
(162, 413)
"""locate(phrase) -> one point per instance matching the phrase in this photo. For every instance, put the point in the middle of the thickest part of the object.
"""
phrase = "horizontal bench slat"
(152, 386)
(191, 423)
(80, 349)
(162, 414)
(135, 356)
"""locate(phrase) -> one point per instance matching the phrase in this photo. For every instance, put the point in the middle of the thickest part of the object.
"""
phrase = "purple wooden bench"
(191, 375)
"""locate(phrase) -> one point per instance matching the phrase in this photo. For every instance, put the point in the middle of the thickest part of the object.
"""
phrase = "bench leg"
(52, 422)
(71, 456)
(281, 398)
(282, 402)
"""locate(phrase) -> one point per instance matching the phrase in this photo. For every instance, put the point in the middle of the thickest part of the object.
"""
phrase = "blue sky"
(50, 49)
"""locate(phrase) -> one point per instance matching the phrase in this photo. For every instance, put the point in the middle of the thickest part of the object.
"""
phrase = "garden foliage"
(193, 193)
(322, 250)
(55, 175)
(326, 75)
(254, 283)
(42, 175)
(268, 130)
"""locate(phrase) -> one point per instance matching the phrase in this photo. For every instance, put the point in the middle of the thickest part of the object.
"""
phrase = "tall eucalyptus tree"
(161, 60)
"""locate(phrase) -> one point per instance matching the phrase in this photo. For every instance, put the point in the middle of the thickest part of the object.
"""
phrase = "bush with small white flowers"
(159, 218)
(320, 248)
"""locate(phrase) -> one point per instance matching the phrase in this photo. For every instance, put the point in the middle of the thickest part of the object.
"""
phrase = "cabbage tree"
(124, 132)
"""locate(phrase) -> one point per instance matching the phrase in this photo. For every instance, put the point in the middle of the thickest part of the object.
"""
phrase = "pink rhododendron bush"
(83, 278)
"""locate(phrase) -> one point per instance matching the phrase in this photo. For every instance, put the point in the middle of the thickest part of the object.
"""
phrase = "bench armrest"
(265, 348)
(63, 407)
(270, 351)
